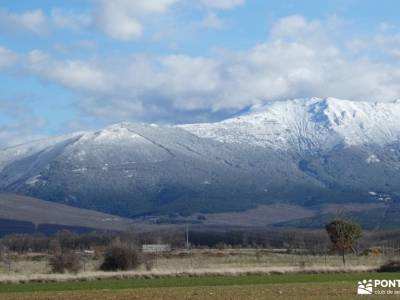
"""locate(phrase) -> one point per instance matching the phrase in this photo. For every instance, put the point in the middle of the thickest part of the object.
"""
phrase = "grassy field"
(287, 286)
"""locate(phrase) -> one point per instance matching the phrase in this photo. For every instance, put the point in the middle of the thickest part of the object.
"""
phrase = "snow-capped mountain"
(304, 151)
(309, 125)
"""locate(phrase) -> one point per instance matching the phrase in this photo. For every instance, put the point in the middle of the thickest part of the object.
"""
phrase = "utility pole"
(188, 246)
(187, 237)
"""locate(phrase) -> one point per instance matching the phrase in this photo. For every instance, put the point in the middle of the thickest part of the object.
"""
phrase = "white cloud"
(7, 57)
(211, 20)
(70, 20)
(36, 22)
(300, 59)
(222, 4)
(78, 75)
(32, 21)
(22, 125)
(122, 19)
(294, 27)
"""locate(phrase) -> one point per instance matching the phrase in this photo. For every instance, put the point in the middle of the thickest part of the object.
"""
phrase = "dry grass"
(247, 258)
(160, 273)
(197, 263)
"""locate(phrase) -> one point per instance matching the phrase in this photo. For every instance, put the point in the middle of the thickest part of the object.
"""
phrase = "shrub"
(148, 262)
(391, 266)
(69, 261)
(120, 258)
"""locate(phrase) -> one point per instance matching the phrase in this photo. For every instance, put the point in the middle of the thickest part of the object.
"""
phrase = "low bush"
(391, 266)
(67, 261)
(120, 258)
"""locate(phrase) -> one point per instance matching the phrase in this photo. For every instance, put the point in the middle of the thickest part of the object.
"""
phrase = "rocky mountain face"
(306, 152)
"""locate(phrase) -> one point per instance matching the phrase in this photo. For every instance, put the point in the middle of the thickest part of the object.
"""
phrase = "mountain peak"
(308, 124)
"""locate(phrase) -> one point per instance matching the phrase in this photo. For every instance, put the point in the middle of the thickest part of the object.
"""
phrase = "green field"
(290, 286)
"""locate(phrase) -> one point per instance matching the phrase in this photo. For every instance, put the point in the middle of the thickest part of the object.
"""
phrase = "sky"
(78, 65)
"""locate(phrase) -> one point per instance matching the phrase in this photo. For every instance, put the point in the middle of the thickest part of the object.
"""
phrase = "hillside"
(38, 212)
(304, 152)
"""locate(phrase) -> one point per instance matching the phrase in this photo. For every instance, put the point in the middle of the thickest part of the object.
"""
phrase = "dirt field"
(320, 291)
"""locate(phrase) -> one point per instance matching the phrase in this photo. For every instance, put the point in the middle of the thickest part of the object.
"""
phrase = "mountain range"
(304, 152)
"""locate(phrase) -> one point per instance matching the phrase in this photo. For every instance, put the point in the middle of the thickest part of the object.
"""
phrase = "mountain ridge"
(330, 112)
(346, 120)
(296, 151)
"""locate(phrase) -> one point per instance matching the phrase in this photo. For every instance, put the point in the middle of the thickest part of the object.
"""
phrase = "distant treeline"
(70, 240)
(8, 227)
(314, 241)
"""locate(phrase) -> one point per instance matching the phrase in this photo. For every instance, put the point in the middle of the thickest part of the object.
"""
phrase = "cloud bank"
(301, 58)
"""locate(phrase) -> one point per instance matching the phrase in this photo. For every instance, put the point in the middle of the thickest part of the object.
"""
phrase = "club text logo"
(378, 287)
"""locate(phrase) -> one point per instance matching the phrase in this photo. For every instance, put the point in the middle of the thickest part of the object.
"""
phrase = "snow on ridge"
(308, 124)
